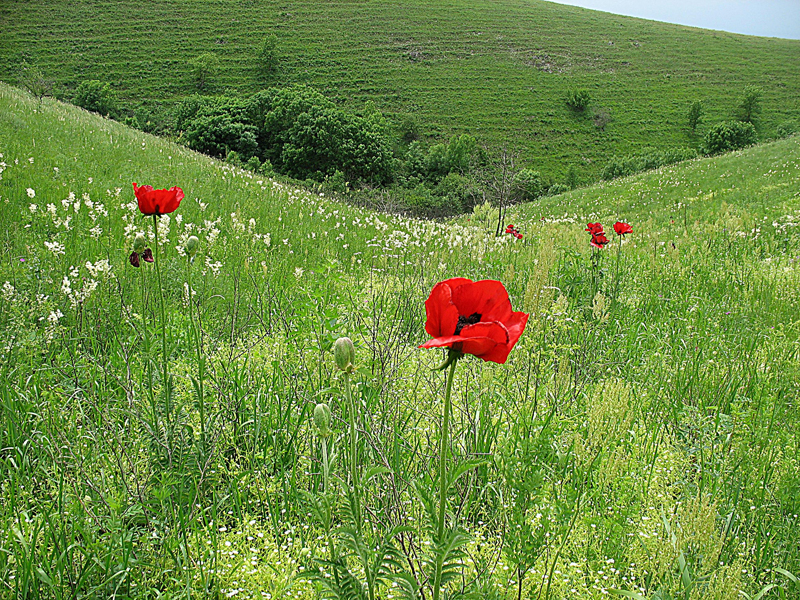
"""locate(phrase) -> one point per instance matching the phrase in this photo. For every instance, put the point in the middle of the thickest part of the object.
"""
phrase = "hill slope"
(654, 390)
(499, 70)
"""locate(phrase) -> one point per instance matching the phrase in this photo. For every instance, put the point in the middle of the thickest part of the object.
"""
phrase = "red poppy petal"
(475, 345)
(488, 298)
(442, 314)
(456, 282)
(495, 331)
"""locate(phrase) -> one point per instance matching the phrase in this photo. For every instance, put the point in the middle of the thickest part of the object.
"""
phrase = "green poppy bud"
(345, 354)
(191, 245)
(139, 242)
(322, 419)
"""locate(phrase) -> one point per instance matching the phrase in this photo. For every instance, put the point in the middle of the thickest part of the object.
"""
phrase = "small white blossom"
(31, 193)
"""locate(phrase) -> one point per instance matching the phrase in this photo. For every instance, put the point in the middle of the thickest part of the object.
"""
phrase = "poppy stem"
(616, 277)
(201, 404)
(157, 257)
(452, 359)
(353, 453)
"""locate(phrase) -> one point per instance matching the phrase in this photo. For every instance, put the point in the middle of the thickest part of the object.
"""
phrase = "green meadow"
(498, 70)
(160, 429)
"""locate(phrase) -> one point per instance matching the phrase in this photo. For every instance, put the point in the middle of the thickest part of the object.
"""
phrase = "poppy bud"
(322, 419)
(191, 245)
(139, 243)
(345, 354)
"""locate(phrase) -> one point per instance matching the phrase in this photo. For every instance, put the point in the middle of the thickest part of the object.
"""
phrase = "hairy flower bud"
(139, 242)
(191, 245)
(345, 354)
(322, 419)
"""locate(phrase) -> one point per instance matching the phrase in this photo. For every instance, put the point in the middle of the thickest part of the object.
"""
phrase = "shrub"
(601, 118)
(650, 158)
(578, 100)
(695, 114)
(528, 185)
(96, 96)
(730, 135)
(786, 129)
(217, 126)
(558, 188)
(203, 68)
(457, 190)
(750, 105)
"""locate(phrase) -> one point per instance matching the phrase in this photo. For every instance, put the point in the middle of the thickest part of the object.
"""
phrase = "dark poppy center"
(464, 321)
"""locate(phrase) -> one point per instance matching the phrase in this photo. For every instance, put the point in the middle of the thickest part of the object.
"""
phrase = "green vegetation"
(96, 96)
(182, 429)
(731, 135)
(499, 71)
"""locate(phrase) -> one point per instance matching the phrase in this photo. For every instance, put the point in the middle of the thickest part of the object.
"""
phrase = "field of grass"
(643, 435)
(499, 70)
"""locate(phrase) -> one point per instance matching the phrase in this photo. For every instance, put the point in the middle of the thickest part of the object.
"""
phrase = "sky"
(772, 18)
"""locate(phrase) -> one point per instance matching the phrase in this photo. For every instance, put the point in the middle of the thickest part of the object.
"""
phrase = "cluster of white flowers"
(8, 291)
(55, 247)
(101, 268)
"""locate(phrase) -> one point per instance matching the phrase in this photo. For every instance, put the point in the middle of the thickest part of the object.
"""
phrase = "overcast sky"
(773, 18)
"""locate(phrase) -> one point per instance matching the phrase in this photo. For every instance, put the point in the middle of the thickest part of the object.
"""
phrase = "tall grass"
(646, 445)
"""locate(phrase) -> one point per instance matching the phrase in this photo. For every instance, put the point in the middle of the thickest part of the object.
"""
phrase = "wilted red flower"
(473, 318)
(147, 255)
(157, 202)
(622, 228)
(594, 228)
(599, 240)
(134, 258)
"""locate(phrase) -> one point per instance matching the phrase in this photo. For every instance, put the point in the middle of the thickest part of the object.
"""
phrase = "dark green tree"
(268, 57)
(695, 115)
(203, 69)
(750, 104)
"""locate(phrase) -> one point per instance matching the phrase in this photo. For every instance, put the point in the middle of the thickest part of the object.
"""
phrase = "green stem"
(201, 400)
(353, 451)
(616, 277)
(437, 581)
(148, 364)
(157, 258)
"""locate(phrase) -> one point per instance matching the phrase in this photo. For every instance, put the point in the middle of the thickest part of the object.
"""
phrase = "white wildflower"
(7, 292)
(31, 193)
(55, 247)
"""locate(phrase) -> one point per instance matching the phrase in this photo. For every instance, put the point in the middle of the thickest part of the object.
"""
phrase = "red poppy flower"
(622, 228)
(473, 318)
(157, 202)
(594, 228)
(599, 240)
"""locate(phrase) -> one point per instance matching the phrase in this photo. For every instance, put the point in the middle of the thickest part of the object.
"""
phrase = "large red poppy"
(621, 228)
(599, 240)
(157, 202)
(473, 318)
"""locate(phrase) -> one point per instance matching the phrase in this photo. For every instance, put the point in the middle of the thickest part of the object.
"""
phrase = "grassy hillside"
(643, 435)
(499, 70)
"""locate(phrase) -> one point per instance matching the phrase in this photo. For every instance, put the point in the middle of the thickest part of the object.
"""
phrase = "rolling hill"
(499, 70)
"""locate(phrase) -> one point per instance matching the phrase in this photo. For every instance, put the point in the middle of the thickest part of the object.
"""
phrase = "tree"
(497, 176)
(32, 79)
(268, 57)
(750, 104)
(96, 96)
(203, 68)
(695, 114)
